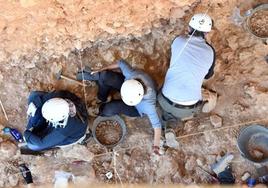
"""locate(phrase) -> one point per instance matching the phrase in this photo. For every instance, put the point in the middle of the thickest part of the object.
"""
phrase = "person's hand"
(26, 173)
(96, 71)
(156, 150)
(31, 109)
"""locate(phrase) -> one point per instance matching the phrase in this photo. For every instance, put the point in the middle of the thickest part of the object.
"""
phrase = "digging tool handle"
(72, 80)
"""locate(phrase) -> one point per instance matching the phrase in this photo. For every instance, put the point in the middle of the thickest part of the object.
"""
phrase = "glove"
(31, 109)
(156, 150)
(26, 173)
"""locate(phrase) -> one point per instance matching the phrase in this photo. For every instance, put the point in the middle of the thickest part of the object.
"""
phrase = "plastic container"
(14, 133)
(251, 182)
(244, 137)
(112, 118)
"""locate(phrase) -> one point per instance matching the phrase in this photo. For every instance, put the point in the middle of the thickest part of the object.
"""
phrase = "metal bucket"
(249, 14)
(254, 131)
(112, 118)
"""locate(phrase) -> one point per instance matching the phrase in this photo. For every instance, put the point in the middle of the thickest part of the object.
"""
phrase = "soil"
(108, 132)
(258, 147)
(259, 23)
(38, 38)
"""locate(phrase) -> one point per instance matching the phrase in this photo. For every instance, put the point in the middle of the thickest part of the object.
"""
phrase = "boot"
(87, 75)
(26, 173)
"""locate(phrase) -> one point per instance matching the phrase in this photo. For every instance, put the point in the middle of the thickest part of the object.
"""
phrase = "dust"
(259, 23)
(108, 132)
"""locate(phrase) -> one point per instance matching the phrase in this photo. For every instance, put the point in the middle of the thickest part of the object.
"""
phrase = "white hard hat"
(201, 22)
(132, 92)
(56, 111)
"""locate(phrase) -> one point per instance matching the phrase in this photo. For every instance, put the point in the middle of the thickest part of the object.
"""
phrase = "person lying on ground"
(138, 94)
(57, 118)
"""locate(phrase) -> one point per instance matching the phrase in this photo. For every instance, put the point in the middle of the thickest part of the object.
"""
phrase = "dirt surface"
(40, 37)
(259, 23)
(258, 146)
(108, 132)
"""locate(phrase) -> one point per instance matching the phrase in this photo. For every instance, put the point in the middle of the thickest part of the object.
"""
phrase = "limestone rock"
(216, 121)
(107, 55)
(167, 165)
(177, 13)
(13, 180)
(232, 41)
(30, 65)
(7, 149)
(190, 164)
(211, 98)
(2, 23)
(2, 182)
(27, 3)
(78, 152)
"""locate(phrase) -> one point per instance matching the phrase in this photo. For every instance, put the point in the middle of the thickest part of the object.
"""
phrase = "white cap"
(201, 22)
(56, 111)
(132, 92)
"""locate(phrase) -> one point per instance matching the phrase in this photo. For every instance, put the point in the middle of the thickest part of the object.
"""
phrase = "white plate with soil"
(109, 131)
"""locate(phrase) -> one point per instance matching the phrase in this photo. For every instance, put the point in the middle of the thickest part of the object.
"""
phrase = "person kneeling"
(138, 94)
(56, 119)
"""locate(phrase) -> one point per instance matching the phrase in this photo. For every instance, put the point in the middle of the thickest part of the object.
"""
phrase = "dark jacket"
(44, 136)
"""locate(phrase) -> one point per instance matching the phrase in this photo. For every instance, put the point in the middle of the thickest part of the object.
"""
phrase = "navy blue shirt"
(44, 136)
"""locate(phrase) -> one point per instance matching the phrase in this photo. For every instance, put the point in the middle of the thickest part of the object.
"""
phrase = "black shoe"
(87, 75)
(26, 173)
(87, 138)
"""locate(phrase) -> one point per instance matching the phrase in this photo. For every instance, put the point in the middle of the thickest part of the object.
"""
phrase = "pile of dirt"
(259, 23)
(108, 132)
(258, 147)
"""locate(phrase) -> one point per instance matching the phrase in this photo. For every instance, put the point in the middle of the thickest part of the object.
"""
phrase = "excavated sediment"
(38, 39)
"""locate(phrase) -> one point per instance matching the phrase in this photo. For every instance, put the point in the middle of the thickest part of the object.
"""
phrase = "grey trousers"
(170, 112)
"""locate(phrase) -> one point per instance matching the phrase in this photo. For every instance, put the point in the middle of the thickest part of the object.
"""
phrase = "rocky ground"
(42, 38)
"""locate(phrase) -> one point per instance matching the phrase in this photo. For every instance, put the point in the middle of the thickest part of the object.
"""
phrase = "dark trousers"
(226, 177)
(112, 81)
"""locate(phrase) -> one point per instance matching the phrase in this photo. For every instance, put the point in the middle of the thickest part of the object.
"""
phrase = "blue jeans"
(33, 147)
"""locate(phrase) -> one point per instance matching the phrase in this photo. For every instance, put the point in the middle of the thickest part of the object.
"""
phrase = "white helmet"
(56, 111)
(201, 22)
(132, 92)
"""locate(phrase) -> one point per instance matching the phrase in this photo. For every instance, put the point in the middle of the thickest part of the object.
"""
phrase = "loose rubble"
(216, 121)
(67, 35)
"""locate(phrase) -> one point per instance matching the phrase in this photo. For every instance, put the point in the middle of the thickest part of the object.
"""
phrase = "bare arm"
(157, 136)
(109, 67)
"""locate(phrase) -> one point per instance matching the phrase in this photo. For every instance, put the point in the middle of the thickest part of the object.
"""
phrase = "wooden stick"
(3, 110)
(221, 128)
